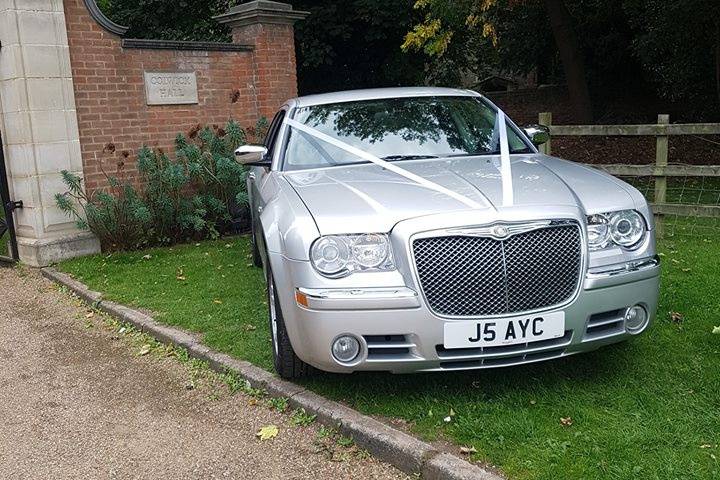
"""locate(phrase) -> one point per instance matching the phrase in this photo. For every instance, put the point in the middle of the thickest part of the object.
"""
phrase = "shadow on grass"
(598, 369)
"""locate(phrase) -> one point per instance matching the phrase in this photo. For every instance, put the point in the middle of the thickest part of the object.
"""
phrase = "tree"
(341, 45)
(572, 58)
(487, 20)
(170, 20)
(678, 44)
(355, 44)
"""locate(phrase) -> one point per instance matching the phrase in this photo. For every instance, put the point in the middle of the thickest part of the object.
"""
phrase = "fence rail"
(638, 130)
(707, 197)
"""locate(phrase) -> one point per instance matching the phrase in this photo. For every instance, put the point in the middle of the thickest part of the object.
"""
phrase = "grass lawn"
(648, 408)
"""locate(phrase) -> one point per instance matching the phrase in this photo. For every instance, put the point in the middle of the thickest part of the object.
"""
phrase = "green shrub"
(200, 193)
(117, 216)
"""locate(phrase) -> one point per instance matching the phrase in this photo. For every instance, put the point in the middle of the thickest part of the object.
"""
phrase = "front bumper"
(399, 334)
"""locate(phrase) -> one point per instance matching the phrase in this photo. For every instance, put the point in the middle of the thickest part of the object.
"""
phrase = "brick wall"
(110, 94)
(274, 63)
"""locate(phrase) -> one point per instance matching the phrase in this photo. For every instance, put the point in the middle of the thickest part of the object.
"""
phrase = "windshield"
(397, 129)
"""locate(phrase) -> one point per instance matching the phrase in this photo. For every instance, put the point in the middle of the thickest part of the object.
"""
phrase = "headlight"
(624, 228)
(598, 231)
(330, 255)
(340, 255)
(627, 227)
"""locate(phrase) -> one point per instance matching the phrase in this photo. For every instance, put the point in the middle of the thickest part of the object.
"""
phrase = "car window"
(396, 128)
(273, 132)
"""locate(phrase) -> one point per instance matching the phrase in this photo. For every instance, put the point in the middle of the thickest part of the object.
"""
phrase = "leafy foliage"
(118, 216)
(355, 44)
(628, 47)
(341, 45)
(678, 45)
(198, 194)
(170, 20)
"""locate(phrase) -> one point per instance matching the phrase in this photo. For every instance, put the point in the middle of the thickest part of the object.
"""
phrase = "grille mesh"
(477, 276)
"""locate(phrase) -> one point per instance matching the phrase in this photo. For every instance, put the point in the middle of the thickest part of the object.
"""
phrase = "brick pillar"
(39, 128)
(268, 27)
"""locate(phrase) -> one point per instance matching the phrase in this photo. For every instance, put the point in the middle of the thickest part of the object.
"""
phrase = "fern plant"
(118, 216)
(201, 193)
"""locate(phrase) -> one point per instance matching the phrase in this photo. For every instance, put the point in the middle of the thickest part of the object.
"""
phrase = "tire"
(256, 257)
(286, 362)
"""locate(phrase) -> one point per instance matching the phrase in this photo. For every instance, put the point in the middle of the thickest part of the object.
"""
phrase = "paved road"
(76, 401)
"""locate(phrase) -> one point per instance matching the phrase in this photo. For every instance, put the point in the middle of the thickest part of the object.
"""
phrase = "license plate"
(505, 331)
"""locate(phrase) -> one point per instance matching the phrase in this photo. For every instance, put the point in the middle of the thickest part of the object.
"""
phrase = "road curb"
(401, 450)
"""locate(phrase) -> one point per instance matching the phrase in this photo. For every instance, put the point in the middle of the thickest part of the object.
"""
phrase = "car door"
(262, 186)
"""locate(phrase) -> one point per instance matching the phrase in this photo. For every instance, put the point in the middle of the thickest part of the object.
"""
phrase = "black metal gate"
(8, 242)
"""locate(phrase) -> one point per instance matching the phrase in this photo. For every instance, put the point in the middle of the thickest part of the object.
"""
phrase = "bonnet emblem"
(500, 231)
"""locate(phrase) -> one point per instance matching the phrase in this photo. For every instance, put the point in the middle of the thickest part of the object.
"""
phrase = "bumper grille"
(478, 276)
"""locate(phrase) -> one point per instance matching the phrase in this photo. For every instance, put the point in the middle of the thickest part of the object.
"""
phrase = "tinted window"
(393, 128)
(273, 131)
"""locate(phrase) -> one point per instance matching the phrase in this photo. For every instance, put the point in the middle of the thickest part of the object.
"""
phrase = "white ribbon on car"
(505, 169)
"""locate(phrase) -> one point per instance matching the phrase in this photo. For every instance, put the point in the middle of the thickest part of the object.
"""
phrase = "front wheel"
(286, 362)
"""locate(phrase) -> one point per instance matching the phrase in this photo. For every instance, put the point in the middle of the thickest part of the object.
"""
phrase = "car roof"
(377, 93)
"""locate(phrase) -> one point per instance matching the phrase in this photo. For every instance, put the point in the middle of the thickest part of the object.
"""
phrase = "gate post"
(268, 27)
(39, 125)
(661, 161)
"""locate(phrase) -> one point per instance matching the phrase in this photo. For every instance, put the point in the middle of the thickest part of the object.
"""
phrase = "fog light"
(636, 318)
(346, 348)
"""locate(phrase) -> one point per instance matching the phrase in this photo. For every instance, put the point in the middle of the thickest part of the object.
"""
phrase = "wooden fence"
(660, 170)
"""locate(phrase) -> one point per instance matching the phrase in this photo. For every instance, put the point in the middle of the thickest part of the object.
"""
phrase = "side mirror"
(253, 155)
(538, 134)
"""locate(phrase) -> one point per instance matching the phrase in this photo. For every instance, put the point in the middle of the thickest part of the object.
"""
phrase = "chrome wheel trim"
(273, 315)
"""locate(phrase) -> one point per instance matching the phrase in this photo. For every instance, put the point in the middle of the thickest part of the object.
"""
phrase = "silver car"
(419, 229)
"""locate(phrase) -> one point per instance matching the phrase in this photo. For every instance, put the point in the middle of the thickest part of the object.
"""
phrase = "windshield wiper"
(490, 152)
(407, 157)
(475, 154)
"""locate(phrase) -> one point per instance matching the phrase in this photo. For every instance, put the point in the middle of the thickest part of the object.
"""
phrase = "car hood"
(368, 198)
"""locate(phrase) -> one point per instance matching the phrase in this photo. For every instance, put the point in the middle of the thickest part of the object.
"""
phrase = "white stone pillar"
(39, 127)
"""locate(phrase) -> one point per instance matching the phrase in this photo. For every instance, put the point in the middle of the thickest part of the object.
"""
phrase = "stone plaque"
(170, 88)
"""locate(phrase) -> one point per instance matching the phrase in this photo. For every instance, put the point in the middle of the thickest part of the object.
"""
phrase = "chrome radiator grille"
(466, 275)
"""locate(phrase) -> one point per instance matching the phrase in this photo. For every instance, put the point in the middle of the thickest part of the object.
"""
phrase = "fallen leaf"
(217, 301)
(89, 314)
(267, 432)
(566, 421)
(452, 412)
(674, 261)
(145, 349)
(716, 330)
(467, 450)
(676, 317)
(685, 270)
(179, 274)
